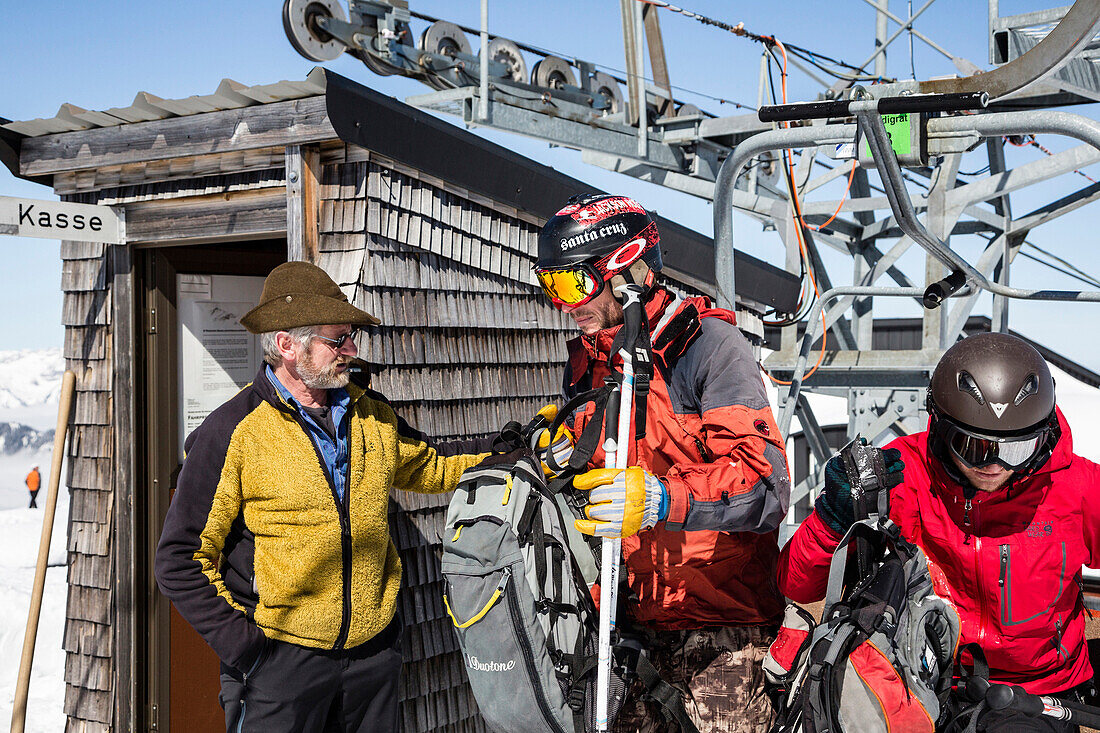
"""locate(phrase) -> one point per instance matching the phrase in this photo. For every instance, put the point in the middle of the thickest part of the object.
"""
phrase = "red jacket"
(711, 437)
(1011, 564)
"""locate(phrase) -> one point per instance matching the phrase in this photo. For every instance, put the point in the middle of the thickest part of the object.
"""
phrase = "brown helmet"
(991, 400)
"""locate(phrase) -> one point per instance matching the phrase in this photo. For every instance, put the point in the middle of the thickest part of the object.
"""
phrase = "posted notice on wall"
(217, 355)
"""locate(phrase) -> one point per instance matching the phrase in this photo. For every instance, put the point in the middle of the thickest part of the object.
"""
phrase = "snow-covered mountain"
(30, 377)
(30, 384)
(15, 437)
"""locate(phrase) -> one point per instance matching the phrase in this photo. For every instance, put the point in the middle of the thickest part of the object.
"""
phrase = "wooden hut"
(423, 224)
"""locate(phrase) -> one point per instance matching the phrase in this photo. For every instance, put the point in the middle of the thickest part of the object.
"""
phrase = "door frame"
(155, 446)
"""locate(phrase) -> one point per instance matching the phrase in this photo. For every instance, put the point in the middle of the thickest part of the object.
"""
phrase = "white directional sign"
(59, 220)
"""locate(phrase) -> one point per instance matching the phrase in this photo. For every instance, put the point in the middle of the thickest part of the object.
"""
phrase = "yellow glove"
(562, 445)
(560, 449)
(621, 501)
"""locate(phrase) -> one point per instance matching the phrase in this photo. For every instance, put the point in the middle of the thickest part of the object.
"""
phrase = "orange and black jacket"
(257, 542)
(712, 439)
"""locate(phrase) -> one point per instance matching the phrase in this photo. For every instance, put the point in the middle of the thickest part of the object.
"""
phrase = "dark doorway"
(177, 672)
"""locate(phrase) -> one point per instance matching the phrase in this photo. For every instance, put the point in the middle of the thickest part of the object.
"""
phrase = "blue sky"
(99, 55)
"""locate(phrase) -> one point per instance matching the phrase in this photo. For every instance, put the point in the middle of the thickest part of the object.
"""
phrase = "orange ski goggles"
(573, 285)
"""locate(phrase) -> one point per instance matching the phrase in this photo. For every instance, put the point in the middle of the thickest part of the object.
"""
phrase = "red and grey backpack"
(881, 658)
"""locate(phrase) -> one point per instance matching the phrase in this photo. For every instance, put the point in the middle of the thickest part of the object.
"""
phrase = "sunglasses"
(338, 342)
(977, 451)
(574, 285)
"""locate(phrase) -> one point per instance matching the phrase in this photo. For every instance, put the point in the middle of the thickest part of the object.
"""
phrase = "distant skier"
(34, 481)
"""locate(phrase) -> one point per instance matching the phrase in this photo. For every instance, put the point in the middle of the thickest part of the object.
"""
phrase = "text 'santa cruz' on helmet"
(609, 232)
(998, 387)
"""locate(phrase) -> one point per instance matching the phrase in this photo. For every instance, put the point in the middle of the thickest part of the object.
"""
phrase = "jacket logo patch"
(1040, 529)
(762, 427)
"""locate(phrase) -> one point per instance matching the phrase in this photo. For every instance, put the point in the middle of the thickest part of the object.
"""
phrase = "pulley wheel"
(303, 32)
(444, 38)
(606, 85)
(506, 52)
(381, 66)
(688, 110)
(553, 73)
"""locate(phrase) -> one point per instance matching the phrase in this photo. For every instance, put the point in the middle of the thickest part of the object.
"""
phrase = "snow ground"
(20, 532)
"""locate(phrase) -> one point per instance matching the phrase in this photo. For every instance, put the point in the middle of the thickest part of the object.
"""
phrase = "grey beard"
(324, 378)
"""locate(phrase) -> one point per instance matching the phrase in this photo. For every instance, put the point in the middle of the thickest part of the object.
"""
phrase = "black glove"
(834, 504)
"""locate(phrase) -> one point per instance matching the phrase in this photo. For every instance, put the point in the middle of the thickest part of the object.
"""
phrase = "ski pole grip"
(1013, 697)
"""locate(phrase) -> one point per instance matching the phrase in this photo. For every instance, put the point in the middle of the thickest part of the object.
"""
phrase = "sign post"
(59, 220)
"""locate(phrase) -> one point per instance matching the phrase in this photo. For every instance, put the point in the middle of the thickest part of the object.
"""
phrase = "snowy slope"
(30, 381)
(20, 532)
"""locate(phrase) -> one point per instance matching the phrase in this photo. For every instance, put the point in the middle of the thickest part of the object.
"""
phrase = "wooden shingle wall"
(468, 342)
(88, 639)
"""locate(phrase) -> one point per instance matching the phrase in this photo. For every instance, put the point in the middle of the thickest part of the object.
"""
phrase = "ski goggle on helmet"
(590, 241)
(991, 401)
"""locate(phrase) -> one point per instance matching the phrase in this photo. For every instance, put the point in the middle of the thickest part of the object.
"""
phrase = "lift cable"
(811, 57)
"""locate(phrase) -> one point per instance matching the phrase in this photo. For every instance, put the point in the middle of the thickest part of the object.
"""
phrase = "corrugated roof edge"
(228, 95)
(10, 143)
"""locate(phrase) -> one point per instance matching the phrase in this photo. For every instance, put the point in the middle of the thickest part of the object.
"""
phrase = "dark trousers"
(34, 496)
(295, 688)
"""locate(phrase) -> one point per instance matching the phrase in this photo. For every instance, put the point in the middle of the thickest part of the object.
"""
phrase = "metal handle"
(887, 105)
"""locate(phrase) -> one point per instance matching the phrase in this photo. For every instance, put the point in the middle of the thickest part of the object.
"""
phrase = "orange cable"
(851, 175)
(798, 229)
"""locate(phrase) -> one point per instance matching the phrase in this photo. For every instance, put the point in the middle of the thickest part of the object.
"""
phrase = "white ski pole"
(616, 453)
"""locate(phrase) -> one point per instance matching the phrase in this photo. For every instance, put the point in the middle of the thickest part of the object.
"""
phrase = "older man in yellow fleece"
(276, 546)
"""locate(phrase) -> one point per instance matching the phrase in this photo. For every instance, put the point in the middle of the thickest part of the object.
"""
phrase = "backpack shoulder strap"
(664, 694)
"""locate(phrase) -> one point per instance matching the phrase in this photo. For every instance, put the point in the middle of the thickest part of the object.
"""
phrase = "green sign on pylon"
(905, 131)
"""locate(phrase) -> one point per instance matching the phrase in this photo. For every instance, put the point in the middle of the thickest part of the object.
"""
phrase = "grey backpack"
(522, 611)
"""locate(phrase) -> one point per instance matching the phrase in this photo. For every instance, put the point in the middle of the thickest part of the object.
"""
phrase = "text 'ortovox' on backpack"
(881, 658)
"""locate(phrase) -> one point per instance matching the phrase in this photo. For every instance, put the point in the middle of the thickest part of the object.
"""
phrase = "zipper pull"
(966, 512)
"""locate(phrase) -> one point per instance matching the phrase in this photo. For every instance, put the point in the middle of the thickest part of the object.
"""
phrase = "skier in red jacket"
(707, 484)
(1004, 511)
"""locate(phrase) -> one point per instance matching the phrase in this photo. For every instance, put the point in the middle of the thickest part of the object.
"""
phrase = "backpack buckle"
(576, 698)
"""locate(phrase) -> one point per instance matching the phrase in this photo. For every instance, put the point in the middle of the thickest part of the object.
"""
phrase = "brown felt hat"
(302, 294)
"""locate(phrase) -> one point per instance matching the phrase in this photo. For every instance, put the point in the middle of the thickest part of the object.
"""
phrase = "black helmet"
(991, 400)
(593, 239)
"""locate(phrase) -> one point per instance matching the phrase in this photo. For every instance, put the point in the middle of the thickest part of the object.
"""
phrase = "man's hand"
(834, 504)
(561, 449)
(537, 435)
(621, 501)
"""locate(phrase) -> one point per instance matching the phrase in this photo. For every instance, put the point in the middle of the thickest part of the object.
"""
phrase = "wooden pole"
(23, 682)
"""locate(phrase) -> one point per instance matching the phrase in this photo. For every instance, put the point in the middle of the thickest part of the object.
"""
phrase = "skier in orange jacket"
(34, 481)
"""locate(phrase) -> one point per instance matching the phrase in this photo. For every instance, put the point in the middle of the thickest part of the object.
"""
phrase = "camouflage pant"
(717, 670)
